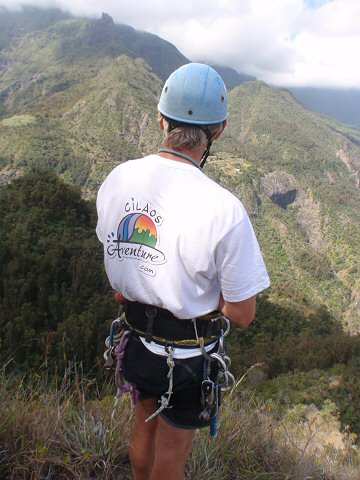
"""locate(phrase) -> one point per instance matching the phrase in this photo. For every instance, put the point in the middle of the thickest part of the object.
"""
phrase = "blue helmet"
(195, 94)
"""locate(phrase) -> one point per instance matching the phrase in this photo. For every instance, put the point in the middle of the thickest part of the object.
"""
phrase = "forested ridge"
(55, 300)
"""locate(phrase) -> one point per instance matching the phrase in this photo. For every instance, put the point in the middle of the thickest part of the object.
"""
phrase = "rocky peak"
(106, 18)
(100, 31)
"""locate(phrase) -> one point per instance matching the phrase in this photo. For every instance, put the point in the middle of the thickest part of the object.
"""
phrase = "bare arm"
(240, 313)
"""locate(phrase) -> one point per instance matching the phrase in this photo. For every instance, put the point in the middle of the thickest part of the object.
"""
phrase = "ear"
(221, 131)
(160, 119)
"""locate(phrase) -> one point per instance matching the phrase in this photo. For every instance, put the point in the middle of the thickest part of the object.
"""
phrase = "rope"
(165, 399)
(127, 387)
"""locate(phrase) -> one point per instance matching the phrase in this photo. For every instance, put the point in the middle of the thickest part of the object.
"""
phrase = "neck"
(183, 156)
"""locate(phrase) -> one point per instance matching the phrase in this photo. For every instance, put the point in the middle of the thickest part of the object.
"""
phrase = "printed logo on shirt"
(137, 237)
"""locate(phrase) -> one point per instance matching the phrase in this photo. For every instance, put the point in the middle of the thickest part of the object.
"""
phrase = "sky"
(283, 42)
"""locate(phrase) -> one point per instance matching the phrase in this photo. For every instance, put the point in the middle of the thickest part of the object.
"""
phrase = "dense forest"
(55, 299)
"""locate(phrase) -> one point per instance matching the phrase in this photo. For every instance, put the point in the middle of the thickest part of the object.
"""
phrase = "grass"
(66, 431)
(252, 444)
(56, 431)
(18, 121)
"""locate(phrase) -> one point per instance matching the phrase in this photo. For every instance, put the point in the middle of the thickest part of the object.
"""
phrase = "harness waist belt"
(161, 326)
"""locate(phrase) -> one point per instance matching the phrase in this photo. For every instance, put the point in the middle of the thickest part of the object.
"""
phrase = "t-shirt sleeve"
(99, 201)
(240, 264)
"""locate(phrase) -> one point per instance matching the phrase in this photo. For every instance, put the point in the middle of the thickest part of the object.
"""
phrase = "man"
(178, 247)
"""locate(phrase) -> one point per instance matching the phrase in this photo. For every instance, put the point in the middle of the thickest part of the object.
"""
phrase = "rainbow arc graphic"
(137, 228)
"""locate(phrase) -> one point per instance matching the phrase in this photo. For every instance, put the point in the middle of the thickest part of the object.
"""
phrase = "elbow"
(242, 321)
(240, 313)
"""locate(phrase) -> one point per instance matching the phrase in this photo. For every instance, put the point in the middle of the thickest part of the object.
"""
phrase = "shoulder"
(121, 171)
(224, 202)
(128, 165)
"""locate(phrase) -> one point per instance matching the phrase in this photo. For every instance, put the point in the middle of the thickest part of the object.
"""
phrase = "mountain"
(86, 102)
(28, 19)
(341, 104)
(231, 77)
(82, 85)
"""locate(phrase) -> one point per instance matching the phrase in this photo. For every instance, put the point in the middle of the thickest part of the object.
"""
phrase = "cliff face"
(282, 189)
(351, 163)
(100, 32)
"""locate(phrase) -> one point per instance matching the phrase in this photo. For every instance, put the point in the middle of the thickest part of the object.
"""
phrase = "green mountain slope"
(54, 301)
(83, 103)
(301, 172)
(26, 20)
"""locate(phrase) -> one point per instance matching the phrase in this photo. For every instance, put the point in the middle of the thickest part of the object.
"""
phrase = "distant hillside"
(231, 77)
(26, 20)
(341, 104)
(299, 178)
(85, 98)
(161, 55)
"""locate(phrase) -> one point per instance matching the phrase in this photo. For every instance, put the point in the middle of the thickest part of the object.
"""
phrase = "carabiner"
(109, 342)
(228, 387)
(219, 359)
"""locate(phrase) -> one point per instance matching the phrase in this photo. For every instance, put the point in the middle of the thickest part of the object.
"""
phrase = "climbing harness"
(216, 377)
(186, 343)
(167, 328)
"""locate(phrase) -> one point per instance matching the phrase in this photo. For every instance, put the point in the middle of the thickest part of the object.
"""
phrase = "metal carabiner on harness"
(226, 378)
(226, 323)
(112, 340)
(208, 399)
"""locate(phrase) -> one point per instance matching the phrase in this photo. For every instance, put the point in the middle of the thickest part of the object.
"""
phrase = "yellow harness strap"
(191, 342)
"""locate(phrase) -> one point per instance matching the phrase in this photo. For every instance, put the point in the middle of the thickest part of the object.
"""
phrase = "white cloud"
(284, 42)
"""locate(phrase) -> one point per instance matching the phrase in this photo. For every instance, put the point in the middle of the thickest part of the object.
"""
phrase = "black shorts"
(148, 372)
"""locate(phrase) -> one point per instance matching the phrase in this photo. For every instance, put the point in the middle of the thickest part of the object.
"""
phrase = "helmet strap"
(209, 137)
(204, 157)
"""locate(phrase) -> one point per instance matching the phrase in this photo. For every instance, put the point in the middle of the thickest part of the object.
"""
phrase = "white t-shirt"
(175, 239)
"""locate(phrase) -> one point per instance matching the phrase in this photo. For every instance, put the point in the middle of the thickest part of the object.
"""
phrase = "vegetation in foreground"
(65, 430)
